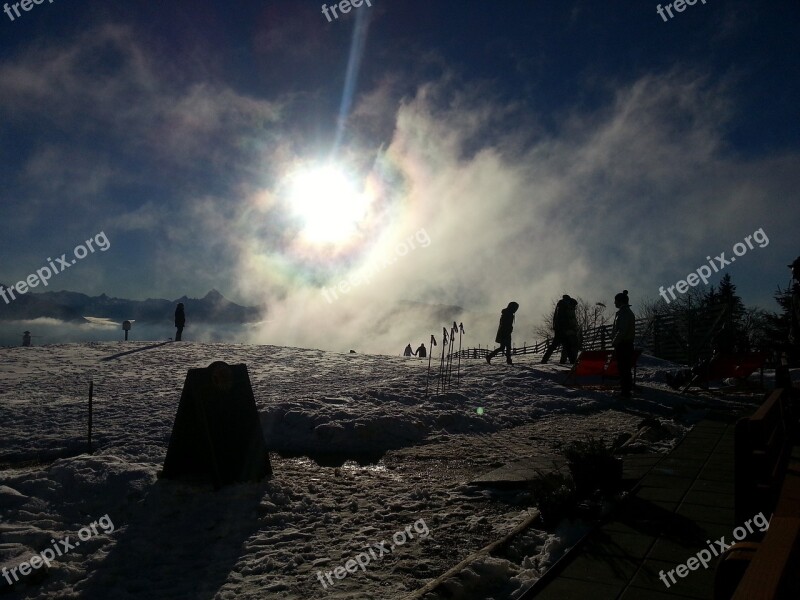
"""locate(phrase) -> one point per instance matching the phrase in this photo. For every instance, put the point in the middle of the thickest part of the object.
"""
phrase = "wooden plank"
(486, 551)
(789, 500)
(762, 448)
(764, 409)
(762, 452)
(522, 472)
(774, 562)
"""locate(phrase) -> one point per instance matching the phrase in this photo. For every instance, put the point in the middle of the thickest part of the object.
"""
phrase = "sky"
(347, 171)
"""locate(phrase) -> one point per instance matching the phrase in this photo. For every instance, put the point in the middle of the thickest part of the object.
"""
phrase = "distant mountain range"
(73, 307)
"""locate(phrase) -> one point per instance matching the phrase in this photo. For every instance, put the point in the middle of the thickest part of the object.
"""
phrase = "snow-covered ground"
(395, 462)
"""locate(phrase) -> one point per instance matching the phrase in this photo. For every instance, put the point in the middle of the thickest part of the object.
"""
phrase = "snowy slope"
(270, 540)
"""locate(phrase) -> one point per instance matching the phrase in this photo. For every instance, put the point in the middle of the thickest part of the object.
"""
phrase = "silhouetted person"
(782, 377)
(408, 351)
(26, 338)
(624, 331)
(422, 352)
(565, 326)
(504, 330)
(794, 328)
(180, 321)
(724, 343)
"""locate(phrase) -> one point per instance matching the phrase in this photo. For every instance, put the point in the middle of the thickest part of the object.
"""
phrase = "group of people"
(565, 325)
(566, 335)
(422, 352)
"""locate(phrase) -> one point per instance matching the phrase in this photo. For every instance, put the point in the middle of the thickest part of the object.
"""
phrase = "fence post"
(91, 389)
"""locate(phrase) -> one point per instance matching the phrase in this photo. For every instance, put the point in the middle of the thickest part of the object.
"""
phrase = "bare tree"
(545, 329)
(591, 315)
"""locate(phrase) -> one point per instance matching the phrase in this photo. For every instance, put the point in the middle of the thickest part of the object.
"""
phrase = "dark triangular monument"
(217, 432)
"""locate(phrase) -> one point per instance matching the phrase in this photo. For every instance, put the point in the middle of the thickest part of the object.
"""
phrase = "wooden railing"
(479, 352)
(595, 338)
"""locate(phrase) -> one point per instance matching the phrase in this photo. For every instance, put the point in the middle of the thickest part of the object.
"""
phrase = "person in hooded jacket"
(408, 351)
(180, 321)
(623, 332)
(565, 327)
(504, 330)
(422, 352)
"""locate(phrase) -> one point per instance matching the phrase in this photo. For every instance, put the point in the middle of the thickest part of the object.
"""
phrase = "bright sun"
(328, 204)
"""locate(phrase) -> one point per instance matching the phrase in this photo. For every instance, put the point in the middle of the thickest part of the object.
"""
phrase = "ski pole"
(450, 354)
(458, 369)
(430, 355)
(441, 365)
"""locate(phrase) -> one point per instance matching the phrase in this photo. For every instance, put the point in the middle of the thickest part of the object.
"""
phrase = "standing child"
(504, 330)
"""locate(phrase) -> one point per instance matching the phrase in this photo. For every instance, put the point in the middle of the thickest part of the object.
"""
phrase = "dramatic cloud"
(596, 207)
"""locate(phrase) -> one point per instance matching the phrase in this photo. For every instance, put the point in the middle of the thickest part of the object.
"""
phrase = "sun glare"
(328, 204)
